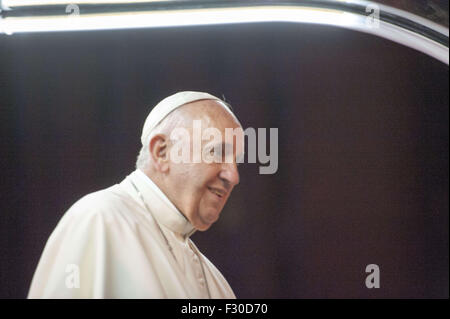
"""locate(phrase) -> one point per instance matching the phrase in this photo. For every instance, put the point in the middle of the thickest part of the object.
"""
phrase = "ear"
(159, 152)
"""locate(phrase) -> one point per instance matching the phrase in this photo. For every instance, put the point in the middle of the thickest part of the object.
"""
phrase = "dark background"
(363, 150)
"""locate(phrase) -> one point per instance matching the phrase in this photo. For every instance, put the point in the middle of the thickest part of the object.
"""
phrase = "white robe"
(108, 245)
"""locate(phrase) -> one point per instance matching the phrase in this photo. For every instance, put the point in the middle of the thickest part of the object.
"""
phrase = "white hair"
(164, 127)
(143, 159)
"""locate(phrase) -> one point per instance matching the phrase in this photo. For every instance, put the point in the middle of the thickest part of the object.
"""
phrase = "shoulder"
(108, 205)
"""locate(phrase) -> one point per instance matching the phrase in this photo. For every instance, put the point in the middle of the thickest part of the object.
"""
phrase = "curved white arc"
(410, 39)
(195, 17)
(404, 14)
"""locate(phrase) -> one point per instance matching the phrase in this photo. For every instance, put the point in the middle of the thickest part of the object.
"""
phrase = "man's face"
(200, 190)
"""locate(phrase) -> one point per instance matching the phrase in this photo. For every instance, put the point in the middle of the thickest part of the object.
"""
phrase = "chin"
(203, 227)
(208, 219)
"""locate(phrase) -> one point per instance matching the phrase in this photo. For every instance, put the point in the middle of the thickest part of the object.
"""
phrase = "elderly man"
(132, 240)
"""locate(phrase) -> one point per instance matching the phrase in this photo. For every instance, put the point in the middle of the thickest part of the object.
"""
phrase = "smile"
(218, 192)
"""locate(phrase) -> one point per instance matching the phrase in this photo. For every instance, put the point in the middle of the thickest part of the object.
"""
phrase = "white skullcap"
(170, 103)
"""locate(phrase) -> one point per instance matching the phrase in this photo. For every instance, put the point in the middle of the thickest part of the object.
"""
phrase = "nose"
(229, 173)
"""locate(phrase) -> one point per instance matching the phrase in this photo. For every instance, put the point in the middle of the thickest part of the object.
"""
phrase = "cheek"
(193, 179)
(203, 174)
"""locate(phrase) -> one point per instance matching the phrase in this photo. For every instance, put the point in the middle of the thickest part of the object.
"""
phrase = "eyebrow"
(222, 144)
(225, 144)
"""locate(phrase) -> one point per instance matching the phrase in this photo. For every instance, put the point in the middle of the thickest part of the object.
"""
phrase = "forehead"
(212, 113)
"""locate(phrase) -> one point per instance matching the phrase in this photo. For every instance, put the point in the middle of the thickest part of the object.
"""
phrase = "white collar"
(162, 209)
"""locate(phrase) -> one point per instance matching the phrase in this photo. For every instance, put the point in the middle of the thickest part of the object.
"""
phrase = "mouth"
(216, 191)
